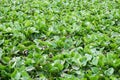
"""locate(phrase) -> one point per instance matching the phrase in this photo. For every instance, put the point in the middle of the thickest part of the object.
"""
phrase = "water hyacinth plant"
(59, 39)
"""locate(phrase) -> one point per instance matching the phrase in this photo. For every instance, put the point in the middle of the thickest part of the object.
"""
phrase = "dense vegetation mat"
(59, 39)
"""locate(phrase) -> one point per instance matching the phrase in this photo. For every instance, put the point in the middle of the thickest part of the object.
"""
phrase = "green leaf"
(101, 61)
(54, 70)
(94, 77)
(1, 53)
(2, 67)
(95, 70)
(109, 72)
(95, 61)
(1, 42)
(59, 65)
(16, 75)
(84, 61)
(28, 23)
(30, 68)
(89, 57)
